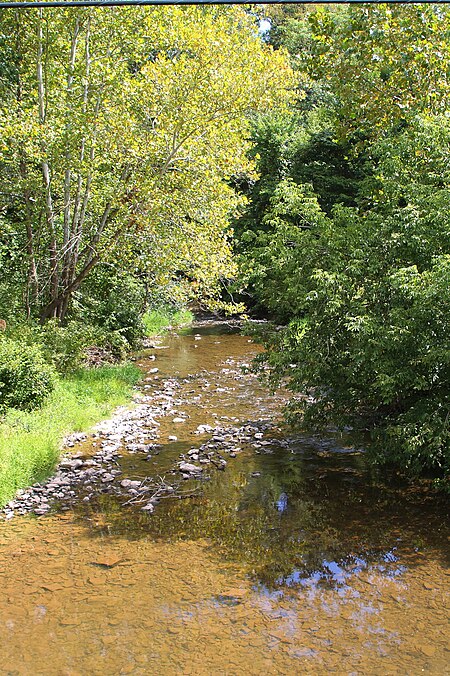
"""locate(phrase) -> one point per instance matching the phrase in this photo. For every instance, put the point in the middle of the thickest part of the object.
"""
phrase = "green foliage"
(30, 441)
(157, 321)
(115, 303)
(384, 63)
(369, 292)
(272, 252)
(301, 162)
(119, 138)
(364, 288)
(65, 347)
(26, 379)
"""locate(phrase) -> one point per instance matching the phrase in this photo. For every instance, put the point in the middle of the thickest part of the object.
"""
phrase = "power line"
(30, 4)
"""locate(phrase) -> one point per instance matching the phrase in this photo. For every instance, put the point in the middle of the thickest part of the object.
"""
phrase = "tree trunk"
(67, 237)
(46, 174)
(58, 306)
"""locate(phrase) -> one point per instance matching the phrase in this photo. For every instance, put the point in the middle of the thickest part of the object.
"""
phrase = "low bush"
(114, 303)
(65, 346)
(26, 379)
(69, 347)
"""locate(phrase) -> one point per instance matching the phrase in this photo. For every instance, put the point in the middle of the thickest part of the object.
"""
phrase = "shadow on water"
(291, 523)
(297, 511)
(294, 511)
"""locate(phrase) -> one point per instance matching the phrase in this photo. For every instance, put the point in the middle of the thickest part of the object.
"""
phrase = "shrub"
(115, 303)
(366, 294)
(25, 378)
(68, 347)
(65, 346)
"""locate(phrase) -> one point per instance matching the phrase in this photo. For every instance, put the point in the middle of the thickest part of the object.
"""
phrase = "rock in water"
(191, 469)
(148, 508)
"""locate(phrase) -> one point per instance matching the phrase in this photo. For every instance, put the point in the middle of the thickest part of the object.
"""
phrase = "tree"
(348, 242)
(385, 63)
(121, 129)
(367, 341)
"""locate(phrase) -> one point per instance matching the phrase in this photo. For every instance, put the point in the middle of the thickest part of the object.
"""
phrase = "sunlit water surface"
(294, 560)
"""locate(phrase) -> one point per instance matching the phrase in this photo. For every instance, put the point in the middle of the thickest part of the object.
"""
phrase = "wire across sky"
(30, 4)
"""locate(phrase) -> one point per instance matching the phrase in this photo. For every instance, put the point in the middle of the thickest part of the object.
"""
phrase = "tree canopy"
(120, 131)
(347, 241)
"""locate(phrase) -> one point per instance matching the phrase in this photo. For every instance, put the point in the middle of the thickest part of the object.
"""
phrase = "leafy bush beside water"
(113, 303)
(346, 241)
(26, 379)
(366, 296)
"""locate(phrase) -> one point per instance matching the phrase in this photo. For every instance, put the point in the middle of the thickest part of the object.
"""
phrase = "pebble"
(188, 467)
(71, 464)
(129, 483)
(149, 507)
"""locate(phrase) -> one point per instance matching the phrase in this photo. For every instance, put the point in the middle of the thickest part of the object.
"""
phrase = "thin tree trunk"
(68, 170)
(54, 272)
(54, 308)
(58, 305)
(33, 280)
(32, 286)
(81, 200)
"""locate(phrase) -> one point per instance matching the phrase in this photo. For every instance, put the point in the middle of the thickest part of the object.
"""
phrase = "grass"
(30, 442)
(158, 321)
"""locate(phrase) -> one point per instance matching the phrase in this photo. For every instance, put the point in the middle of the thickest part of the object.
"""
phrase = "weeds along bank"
(57, 380)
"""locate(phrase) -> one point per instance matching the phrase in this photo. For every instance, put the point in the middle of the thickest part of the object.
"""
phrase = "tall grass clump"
(158, 321)
(30, 441)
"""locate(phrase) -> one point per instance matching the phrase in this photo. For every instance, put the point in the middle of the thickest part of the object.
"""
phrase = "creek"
(280, 554)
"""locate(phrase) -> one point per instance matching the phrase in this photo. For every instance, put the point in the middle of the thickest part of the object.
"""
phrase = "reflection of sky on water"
(338, 574)
(282, 502)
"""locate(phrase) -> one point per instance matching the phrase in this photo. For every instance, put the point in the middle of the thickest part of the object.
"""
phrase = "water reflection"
(294, 560)
(293, 510)
(291, 520)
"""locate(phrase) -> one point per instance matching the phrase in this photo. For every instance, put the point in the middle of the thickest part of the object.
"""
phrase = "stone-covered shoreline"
(82, 475)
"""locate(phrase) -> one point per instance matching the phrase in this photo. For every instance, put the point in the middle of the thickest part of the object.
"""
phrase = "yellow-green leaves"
(384, 62)
(127, 125)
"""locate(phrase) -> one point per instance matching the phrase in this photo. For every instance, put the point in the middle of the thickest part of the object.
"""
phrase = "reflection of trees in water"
(263, 523)
(293, 517)
(248, 521)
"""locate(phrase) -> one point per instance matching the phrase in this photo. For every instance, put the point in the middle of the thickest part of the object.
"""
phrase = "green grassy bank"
(157, 321)
(30, 441)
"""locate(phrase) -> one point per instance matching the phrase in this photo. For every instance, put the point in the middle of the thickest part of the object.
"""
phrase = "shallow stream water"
(293, 560)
